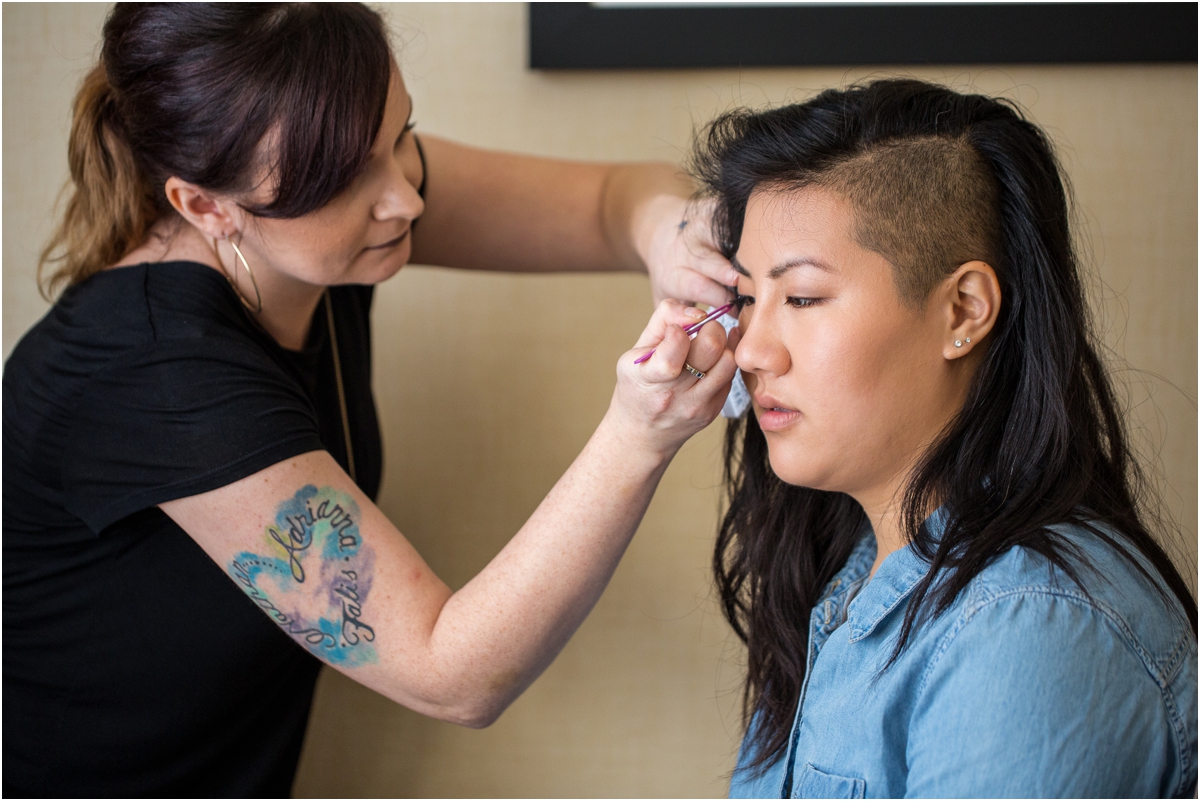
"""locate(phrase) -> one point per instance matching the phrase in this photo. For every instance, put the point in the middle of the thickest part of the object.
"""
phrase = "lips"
(774, 416)
(391, 243)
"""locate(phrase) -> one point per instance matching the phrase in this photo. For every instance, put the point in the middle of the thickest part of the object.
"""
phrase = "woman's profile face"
(849, 383)
(363, 235)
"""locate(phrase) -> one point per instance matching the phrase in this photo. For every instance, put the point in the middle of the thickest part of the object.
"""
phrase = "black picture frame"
(586, 36)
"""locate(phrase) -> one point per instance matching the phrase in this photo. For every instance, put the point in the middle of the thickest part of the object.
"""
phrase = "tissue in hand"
(739, 398)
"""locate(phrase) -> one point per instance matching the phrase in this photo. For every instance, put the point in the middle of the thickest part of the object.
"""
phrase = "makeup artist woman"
(190, 443)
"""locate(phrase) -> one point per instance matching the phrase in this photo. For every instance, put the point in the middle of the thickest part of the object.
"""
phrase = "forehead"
(785, 226)
(806, 213)
(398, 102)
(397, 110)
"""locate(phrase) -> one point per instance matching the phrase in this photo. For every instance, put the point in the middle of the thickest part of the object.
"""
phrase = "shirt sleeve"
(170, 421)
(1036, 694)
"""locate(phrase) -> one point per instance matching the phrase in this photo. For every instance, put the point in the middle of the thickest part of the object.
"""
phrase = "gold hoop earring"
(233, 283)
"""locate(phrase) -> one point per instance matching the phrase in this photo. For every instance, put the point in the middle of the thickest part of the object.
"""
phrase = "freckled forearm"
(630, 203)
(501, 630)
(490, 210)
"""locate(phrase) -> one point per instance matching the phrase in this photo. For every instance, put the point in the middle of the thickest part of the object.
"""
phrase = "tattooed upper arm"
(311, 572)
(325, 565)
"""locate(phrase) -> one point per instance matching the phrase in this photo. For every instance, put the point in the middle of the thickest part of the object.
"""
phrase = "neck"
(884, 503)
(287, 304)
(288, 307)
(886, 522)
(884, 507)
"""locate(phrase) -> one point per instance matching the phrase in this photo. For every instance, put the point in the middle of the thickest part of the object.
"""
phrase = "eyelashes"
(741, 300)
(802, 303)
(411, 124)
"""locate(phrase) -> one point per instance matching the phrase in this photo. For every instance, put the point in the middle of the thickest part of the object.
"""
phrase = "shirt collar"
(857, 567)
(891, 584)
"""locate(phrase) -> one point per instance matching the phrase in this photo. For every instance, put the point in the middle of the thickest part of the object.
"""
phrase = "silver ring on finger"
(693, 370)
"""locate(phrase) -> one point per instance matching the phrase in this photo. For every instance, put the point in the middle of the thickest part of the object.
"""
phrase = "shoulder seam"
(1071, 596)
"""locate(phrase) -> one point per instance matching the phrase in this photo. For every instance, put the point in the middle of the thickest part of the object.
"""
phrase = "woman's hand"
(658, 404)
(673, 236)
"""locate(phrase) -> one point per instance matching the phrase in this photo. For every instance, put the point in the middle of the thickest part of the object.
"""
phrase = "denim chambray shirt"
(1023, 688)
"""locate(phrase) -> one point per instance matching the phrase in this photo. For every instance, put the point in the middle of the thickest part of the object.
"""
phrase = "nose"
(761, 351)
(398, 199)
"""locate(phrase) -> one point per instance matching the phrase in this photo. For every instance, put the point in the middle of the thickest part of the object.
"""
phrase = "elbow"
(475, 708)
(484, 707)
(481, 719)
(477, 715)
(474, 699)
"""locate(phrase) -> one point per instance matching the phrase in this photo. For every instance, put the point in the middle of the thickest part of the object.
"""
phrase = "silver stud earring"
(958, 343)
(968, 340)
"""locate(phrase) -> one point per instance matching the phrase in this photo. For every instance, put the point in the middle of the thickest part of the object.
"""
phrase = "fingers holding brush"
(705, 350)
(658, 400)
(669, 313)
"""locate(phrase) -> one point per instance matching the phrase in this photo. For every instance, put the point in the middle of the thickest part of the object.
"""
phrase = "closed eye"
(412, 124)
(801, 303)
(743, 300)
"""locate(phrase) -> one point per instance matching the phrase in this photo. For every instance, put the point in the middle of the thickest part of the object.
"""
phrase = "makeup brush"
(694, 328)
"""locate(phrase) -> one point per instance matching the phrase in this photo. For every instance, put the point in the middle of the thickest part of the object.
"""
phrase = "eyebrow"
(778, 270)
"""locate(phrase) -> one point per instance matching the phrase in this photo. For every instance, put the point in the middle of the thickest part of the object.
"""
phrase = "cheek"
(319, 251)
(873, 357)
(854, 379)
(837, 363)
(334, 242)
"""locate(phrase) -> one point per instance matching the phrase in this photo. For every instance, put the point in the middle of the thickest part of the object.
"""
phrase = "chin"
(387, 267)
(790, 473)
(390, 268)
(799, 472)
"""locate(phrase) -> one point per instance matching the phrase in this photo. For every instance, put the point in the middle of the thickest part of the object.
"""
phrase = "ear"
(214, 216)
(970, 302)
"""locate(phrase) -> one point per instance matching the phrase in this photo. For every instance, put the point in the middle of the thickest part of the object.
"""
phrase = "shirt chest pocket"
(816, 783)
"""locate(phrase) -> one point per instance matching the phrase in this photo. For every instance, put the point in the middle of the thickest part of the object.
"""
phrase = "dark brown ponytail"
(111, 207)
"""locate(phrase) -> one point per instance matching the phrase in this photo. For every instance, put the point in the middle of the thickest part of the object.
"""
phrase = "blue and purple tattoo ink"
(313, 575)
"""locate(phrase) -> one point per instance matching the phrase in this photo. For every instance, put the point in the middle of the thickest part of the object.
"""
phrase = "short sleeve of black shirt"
(132, 665)
(173, 420)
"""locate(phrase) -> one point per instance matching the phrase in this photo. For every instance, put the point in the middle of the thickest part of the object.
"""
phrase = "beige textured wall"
(488, 385)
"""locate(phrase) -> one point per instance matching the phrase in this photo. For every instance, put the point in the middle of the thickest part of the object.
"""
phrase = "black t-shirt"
(133, 665)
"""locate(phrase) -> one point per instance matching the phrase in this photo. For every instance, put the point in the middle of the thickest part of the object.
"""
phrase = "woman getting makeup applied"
(937, 547)
(191, 450)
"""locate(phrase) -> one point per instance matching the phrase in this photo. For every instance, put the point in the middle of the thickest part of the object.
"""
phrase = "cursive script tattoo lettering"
(299, 537)
(313, 575)
(301, 528)
(353, 629)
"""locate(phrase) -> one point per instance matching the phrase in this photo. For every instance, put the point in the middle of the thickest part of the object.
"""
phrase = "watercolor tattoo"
(312, 574)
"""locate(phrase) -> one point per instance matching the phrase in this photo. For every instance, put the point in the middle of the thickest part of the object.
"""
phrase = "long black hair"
(1040, 439)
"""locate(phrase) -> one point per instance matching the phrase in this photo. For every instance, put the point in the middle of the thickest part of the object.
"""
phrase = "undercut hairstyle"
(926, 204)
(935, 178)
(225, 96)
